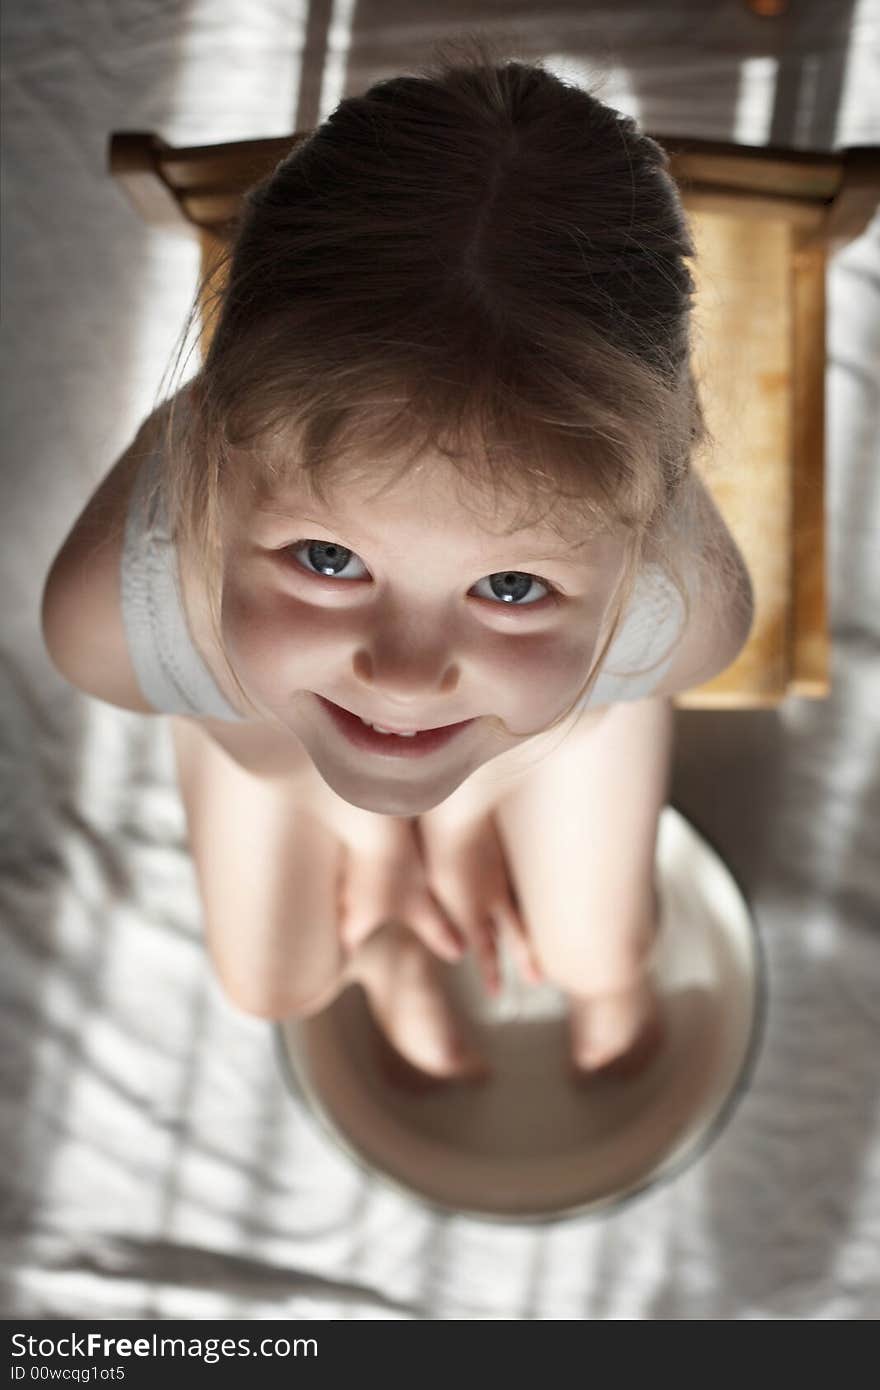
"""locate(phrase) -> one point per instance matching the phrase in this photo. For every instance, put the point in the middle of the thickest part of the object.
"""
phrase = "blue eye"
(328, 558)
(512, 586)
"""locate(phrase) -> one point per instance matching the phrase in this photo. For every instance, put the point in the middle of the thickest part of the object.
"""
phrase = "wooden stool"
(764, 222)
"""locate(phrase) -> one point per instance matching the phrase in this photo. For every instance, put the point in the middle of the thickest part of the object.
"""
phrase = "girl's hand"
(467, 874)
(382, 883)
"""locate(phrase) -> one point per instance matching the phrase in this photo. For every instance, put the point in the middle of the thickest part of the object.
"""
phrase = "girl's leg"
(268, 876)
(269, 872)
(580, 835)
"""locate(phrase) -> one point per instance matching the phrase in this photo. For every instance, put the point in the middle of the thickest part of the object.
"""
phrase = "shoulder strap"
(170, 670)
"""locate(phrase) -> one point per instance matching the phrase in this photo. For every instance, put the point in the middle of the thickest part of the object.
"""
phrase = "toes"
(403, 1075)
(420, 1040)
(628, 1064)
(616, 1036)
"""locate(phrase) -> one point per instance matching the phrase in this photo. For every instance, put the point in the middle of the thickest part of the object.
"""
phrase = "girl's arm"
(721, 620)
(85, 637)
(81, 609)
(464, 868)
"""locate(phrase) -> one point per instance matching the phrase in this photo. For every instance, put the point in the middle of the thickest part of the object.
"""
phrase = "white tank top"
(174, 678)
(171, 673)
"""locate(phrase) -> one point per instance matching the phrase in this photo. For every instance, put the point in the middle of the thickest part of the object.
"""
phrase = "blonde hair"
(479, 259)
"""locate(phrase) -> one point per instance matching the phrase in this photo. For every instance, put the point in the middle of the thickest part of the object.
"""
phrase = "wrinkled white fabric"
(152, 1163)
(171, 672)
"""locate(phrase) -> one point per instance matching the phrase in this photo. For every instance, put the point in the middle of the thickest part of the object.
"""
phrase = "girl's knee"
(274, 1000)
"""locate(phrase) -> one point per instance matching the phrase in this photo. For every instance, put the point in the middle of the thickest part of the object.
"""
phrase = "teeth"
(380, 730)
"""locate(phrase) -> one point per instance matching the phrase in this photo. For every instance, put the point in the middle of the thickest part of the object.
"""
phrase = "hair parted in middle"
(479, 259)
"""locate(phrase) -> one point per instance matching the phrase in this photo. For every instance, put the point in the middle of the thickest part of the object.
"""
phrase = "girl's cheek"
(275, 643)
(280, 645)
(546, 670)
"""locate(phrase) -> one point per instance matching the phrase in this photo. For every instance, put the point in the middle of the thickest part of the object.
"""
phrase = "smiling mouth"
(378, 739)
(381, 728)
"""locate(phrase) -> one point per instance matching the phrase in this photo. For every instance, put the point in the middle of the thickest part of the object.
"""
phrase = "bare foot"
(616, 1036)
(422, 1043)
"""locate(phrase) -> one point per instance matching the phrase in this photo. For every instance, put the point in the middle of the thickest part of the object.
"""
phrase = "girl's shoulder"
(659, 650)
(81, 609)
(122, 621)
(722, 601)
(125, 619)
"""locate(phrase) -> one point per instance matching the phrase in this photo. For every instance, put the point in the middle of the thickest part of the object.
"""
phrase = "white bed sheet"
(152, 1163)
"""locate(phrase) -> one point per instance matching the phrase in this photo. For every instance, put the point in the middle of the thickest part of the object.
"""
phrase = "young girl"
(434, 476)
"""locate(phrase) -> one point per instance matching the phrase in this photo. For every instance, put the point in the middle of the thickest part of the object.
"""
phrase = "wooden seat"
(764, 222)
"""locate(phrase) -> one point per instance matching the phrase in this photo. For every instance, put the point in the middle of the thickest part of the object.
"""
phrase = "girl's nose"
(406, 665)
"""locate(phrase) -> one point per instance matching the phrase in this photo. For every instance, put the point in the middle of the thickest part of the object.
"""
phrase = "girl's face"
(401, 608)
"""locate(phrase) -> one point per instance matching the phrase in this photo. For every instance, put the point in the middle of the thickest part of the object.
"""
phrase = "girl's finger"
(481, 935)
(438, 932)
(354, 930)
(521, 947)
(485, 939)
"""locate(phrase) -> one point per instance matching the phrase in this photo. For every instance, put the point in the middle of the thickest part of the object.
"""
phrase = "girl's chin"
(385, 802)
(386, 798)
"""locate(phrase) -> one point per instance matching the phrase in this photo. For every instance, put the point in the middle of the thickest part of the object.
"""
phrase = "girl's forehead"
(433, 495)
